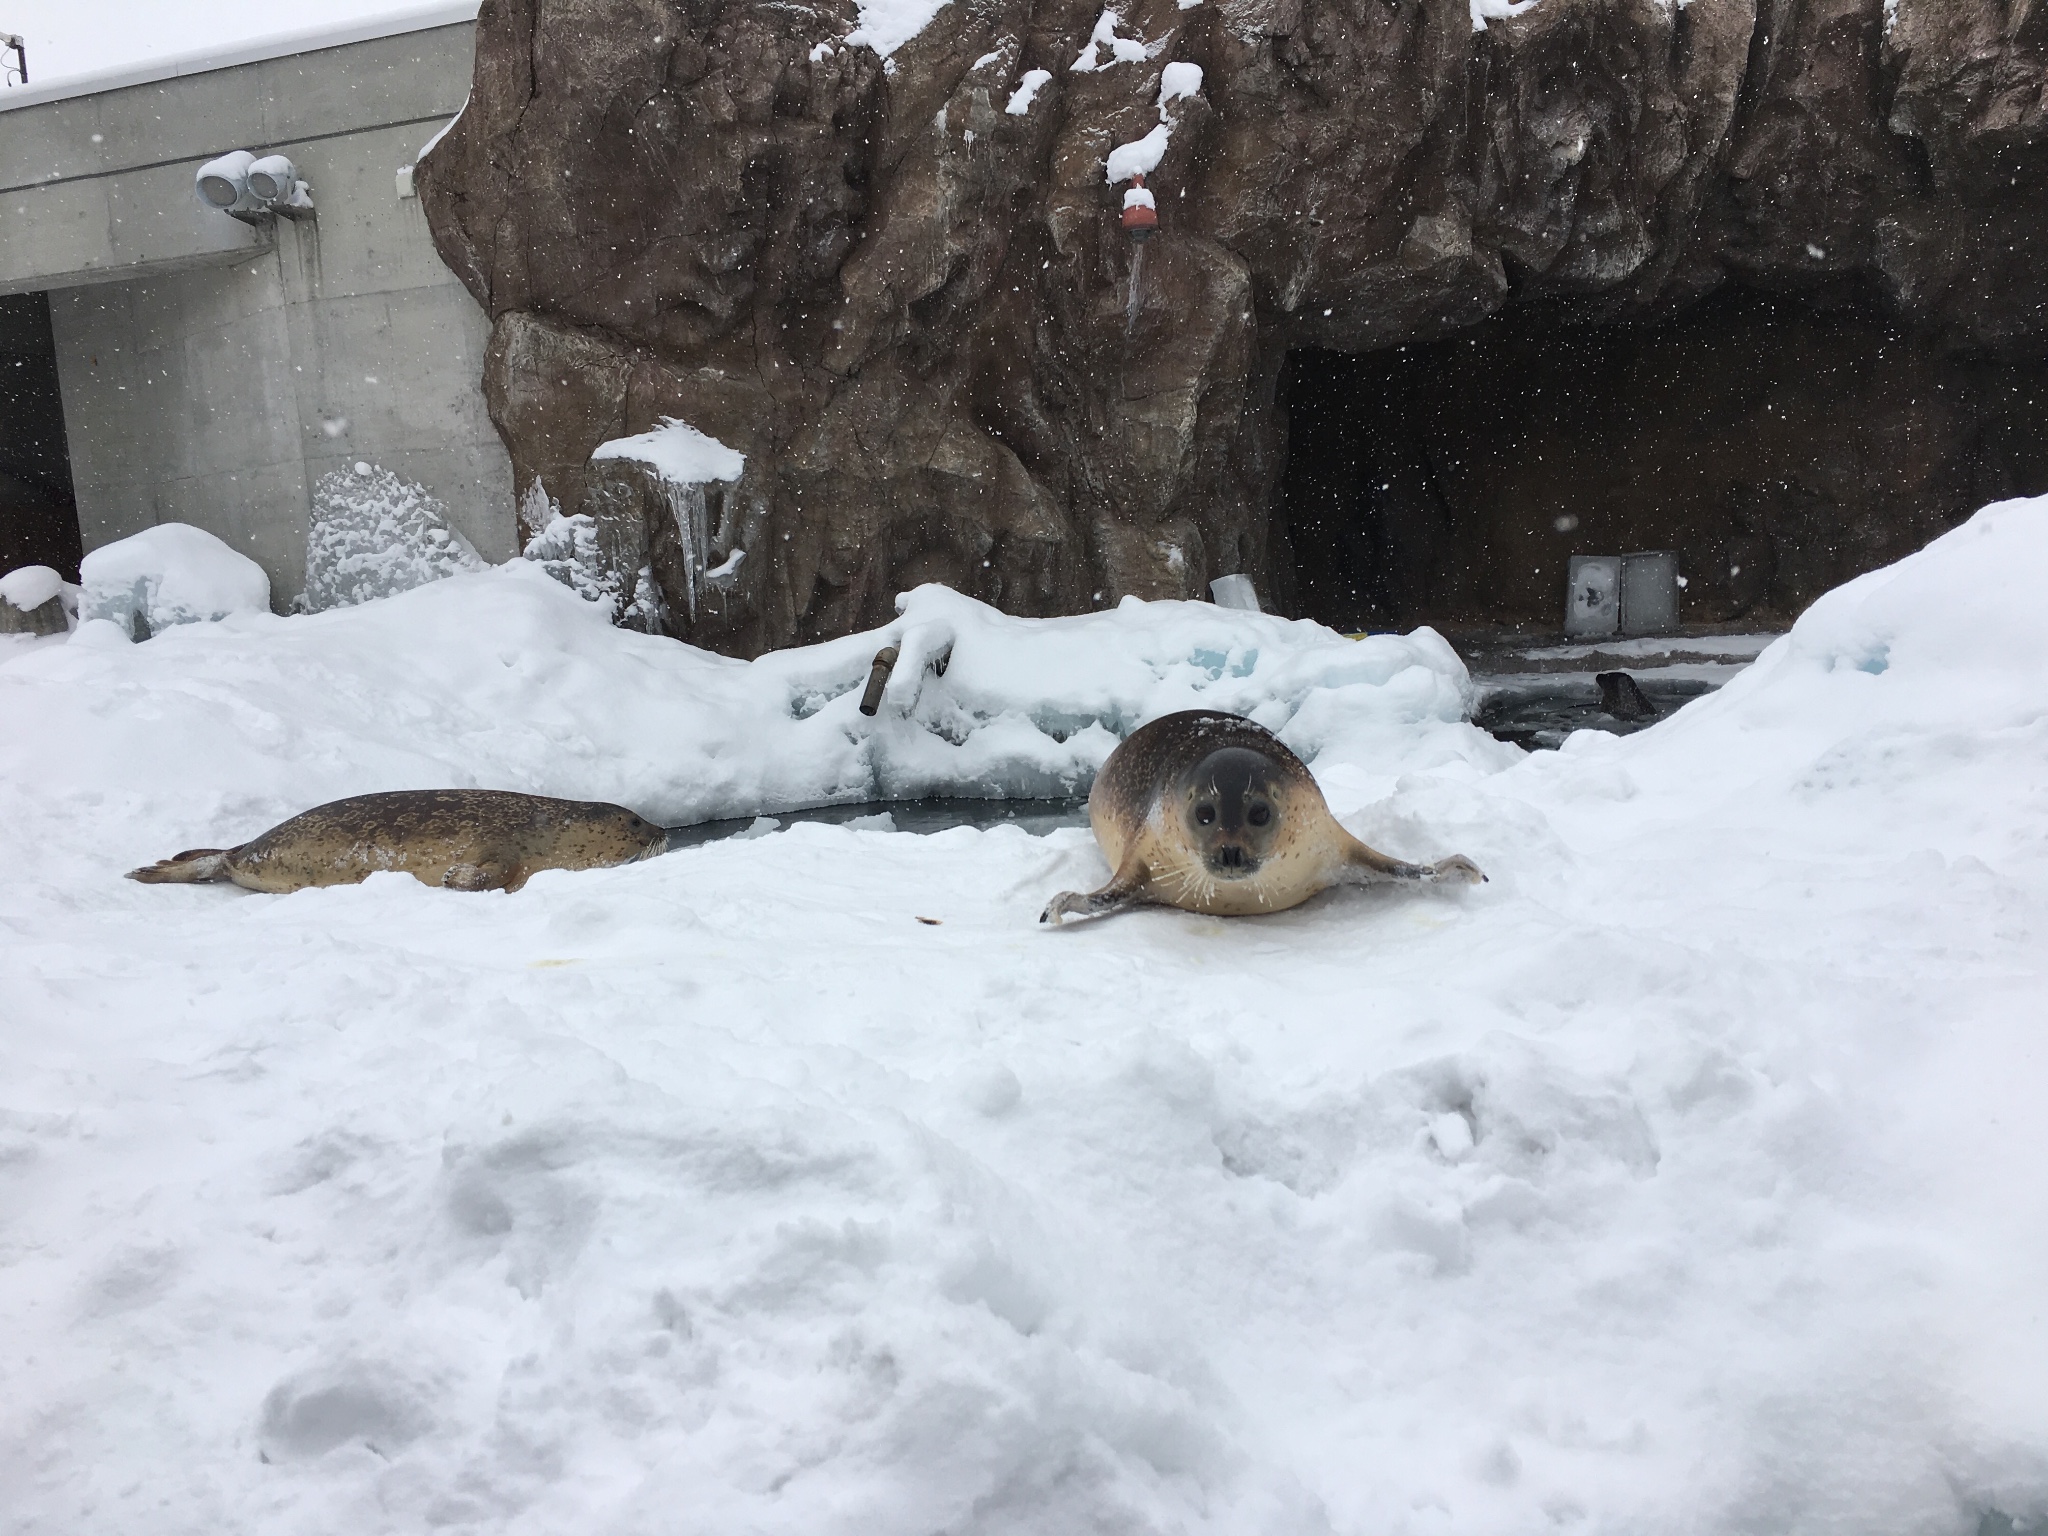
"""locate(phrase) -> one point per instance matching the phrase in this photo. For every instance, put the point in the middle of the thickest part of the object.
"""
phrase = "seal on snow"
(1210, 813)
(464, 839)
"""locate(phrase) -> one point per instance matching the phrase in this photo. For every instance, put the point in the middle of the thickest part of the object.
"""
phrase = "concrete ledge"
(142, 224)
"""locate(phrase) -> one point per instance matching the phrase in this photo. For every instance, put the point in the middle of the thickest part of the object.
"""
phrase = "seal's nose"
(1229, 856)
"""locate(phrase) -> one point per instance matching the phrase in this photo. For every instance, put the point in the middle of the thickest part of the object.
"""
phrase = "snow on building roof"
(420, 18)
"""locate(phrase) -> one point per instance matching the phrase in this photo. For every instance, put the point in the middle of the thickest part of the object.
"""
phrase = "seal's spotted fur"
(465, 839)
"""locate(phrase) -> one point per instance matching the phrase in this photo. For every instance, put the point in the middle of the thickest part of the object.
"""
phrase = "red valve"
(1141, 214)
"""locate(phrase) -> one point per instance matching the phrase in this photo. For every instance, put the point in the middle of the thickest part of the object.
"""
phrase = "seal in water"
(1210, 813)
(464, 839)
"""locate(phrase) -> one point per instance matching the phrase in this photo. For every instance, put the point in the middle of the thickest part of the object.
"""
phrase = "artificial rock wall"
(907, 303)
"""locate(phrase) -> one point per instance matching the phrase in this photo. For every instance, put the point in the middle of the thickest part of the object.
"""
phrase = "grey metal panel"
(1592, 604)
(1649, 592)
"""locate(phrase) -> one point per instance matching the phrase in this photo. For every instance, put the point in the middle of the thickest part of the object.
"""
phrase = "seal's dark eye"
(1205, 814)
(1259, 815)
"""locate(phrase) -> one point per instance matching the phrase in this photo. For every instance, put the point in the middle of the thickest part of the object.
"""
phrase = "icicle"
(1141, 219)
(693, 523)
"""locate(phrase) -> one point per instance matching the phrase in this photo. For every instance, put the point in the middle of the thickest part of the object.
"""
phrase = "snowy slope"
(1686, 1177)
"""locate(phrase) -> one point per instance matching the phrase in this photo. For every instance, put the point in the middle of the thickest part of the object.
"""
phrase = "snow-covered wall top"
(81, 50)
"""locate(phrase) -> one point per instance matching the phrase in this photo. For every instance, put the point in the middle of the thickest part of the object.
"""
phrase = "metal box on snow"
(1622, 594)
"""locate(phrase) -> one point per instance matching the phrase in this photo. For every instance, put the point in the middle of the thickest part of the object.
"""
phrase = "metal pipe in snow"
(878, 678)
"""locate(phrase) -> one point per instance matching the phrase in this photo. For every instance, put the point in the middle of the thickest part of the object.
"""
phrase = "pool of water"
(1534, 710)
(1538, 710)
(1036, 817)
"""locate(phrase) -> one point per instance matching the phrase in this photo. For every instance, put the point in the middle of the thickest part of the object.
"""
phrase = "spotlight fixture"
(223, 182)
(274, 179)
(251, 189)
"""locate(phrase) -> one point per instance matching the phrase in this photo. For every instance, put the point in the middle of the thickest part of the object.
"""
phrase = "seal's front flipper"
(476, 877)
(1368, 866)
(1128, 887)
(1456, 870)
(195, 866)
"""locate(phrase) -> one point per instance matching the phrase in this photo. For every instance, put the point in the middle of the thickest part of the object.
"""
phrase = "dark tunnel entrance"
(38, 517)
(1779, 445)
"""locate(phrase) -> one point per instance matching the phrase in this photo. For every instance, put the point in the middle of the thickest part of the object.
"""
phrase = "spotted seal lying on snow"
(464, 839)
(1210, 813)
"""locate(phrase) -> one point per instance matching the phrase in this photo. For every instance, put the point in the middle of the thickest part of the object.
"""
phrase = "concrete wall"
(212, 372)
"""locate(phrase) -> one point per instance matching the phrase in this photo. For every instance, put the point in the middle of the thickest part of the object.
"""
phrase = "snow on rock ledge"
(678, 452)
(35, 600)
(170, 574)
(29, 587)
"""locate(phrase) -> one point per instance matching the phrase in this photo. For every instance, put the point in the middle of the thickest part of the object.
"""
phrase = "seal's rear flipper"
(195, 866)
(482, 877)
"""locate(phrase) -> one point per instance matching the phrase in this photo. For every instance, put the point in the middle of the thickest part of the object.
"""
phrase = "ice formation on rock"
(688, 467)
(566, 548)
(571, 549)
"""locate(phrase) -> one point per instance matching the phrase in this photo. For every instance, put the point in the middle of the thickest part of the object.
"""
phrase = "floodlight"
(224, 182)
(273, 179)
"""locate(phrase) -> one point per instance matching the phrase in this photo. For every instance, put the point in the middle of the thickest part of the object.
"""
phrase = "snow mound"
(28, 587)
(375, 534)
(503, 679)
(1484, 11)
(1684, 1177)
(167, 575)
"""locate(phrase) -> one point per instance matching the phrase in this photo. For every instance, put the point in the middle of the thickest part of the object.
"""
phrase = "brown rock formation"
(907, 304)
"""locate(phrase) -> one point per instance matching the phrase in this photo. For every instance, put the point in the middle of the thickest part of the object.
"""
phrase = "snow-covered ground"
(1687, 1177)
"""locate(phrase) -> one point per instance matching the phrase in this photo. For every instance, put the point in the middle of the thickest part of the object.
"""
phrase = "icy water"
(1037, 817)
(1536, 712)
(1539, 710)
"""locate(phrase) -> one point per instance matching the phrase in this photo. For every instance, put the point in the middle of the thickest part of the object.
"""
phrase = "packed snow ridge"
(1684, 1177)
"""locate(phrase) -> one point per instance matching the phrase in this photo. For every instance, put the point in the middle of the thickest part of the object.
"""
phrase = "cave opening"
(1778, 444)
(38, 512)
